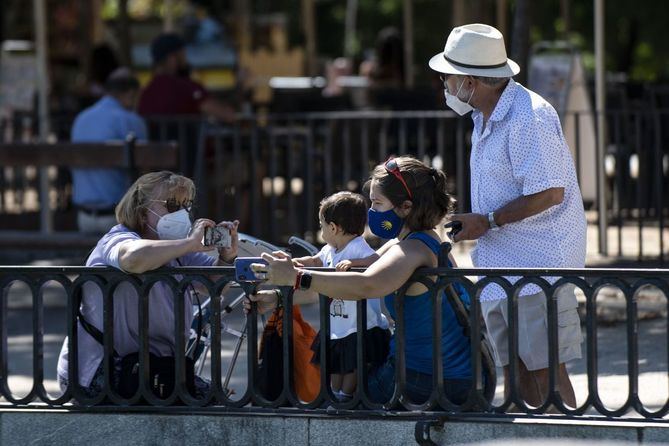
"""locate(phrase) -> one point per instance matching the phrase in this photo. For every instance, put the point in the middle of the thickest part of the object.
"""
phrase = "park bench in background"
(134, 156)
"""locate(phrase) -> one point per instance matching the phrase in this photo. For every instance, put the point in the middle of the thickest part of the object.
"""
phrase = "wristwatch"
(491, 220)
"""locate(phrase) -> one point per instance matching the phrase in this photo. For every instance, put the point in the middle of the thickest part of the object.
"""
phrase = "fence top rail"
(318, 115)
(365, 114)
(444, 272)
(360, 114)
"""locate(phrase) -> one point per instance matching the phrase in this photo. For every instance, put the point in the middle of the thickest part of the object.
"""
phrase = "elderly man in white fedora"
(527, 209)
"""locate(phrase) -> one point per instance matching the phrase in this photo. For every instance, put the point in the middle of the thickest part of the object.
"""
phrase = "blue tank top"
(418, 328)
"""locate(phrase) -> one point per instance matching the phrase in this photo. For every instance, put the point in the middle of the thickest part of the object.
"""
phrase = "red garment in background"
(171, 95)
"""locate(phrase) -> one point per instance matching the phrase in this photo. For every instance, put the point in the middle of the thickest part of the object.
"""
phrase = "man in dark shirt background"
(171, 91)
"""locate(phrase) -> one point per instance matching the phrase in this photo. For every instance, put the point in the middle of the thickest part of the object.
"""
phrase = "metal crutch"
(201, 351)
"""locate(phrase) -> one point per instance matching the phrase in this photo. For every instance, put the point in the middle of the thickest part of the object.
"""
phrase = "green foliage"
(109, 9)
(635, 32)
(647, 66)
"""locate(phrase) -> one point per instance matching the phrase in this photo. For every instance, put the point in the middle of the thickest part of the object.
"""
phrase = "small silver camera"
(217, 236)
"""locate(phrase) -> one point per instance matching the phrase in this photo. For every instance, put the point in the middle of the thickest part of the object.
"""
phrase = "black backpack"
(161, 368)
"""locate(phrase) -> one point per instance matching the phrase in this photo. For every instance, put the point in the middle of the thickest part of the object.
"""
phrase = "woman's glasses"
(393, 169)
(172, 205)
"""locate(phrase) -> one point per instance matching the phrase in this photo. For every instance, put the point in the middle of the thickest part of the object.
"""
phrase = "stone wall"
(48, 427)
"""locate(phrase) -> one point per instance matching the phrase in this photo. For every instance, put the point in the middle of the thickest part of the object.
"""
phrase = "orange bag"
(306, 376)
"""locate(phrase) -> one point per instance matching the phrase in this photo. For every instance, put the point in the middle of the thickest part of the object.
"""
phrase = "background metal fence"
(271, 171)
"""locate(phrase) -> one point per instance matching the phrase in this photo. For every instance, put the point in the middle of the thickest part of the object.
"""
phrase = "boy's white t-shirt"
(343, 314)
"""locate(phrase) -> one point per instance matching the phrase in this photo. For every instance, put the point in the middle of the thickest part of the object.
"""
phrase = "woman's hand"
(266, 299)
(197, 234)
(278, 271)
(228, 255)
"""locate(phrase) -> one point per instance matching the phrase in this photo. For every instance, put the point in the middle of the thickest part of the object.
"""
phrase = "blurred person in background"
(171, 91)
(386, 70)
(97, 191)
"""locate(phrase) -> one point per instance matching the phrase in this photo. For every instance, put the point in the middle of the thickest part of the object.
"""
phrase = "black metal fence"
(271, 171)
(637, 174)
(591, 282)
(293, 161)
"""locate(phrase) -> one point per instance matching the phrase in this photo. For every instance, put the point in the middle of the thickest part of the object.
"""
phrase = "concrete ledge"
(139, 429)
(47, 427)
(541, 431)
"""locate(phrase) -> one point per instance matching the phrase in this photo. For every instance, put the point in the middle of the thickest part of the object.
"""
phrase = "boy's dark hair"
(347, 210)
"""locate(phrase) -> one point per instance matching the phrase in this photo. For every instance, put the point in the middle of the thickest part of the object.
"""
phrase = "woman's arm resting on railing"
(139, 256)
(384, 276)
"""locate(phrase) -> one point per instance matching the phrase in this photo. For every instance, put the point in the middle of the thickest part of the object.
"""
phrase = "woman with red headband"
(408, 200)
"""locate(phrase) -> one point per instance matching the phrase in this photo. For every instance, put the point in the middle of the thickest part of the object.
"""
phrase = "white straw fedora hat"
(476, 50)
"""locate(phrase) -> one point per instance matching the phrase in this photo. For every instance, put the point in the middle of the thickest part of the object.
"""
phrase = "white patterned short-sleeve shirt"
(522, 151)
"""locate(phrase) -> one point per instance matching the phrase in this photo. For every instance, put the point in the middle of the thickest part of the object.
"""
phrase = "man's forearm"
(528, 205)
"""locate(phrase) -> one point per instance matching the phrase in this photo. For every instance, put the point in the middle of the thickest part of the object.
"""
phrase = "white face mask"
(173, 226)
(457, 105)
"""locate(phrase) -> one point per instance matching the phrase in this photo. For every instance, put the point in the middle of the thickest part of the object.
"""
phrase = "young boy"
(343, 217)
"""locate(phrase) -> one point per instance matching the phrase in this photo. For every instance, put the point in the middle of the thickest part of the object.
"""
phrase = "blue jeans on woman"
(381, 385)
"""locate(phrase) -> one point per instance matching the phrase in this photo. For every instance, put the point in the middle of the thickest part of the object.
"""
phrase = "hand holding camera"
(223, 237)
(217, 236)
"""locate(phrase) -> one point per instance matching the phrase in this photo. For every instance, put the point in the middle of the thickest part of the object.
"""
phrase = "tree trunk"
(501, 19)
(309, 24)
(565, 13)
(408, 43)
(85, 35)
(481, 11)
(242, 16)
(459, 13)
(168, 17)
(350, 39)
(124, 36)
(520, 40)
(2, 23)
